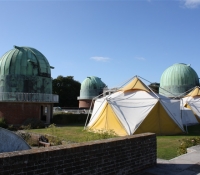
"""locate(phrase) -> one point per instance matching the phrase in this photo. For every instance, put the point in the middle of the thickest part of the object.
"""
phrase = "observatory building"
(91, 87)
(25, 86)
(177, 80)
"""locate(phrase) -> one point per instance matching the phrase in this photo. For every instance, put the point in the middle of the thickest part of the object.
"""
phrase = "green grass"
(73, 133)
(167, 146)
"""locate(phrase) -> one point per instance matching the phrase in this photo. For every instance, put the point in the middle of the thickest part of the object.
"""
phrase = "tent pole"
(151, 89)
(185, 92)
(182, 115)
(88, 115)
(91, 109)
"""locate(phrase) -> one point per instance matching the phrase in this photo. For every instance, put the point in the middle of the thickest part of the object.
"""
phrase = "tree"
(68, 90)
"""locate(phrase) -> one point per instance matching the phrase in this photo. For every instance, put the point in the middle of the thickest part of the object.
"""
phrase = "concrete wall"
(123, 155)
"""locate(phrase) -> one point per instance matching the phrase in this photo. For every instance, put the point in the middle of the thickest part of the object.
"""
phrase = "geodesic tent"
(135, 109)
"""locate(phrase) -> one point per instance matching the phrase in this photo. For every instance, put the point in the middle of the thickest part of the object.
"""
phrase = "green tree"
(68, 90)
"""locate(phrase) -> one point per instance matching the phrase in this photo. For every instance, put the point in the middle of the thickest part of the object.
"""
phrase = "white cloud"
(140, 58)
(102, 59)
(191, 3)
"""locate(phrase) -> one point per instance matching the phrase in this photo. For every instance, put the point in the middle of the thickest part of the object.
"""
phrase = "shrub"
(54, 140)
(12, 128)
(3, 123)
(100, 134)
(32, 123)
(25, 135)
(186, 143)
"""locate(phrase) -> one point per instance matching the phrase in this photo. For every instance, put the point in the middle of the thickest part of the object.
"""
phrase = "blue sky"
(113, 40)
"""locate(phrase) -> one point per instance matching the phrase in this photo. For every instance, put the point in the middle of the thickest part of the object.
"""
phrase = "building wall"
(122, 155)
(17, 113)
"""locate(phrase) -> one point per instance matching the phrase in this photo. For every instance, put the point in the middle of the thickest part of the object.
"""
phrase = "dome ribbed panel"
(179, 74)
(91, 87)
(24, 69)
(92, 83)
(16, 62)
(7, 62)
(2, 63)
(44, 64)
(177, 79)
(13, 62)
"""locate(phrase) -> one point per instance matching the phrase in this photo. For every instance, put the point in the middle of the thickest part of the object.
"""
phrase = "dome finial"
(17, 47)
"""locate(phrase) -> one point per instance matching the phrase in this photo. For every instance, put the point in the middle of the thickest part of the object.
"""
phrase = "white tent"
(135, 109)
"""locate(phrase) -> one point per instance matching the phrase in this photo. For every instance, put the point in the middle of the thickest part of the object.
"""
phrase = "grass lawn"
(71, 133)
(166, 145)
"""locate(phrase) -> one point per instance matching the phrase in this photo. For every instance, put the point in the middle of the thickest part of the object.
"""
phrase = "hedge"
(66, 119)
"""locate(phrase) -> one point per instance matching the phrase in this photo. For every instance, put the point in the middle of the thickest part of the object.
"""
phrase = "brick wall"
(123, 155)
(17, 113)
(85, 103)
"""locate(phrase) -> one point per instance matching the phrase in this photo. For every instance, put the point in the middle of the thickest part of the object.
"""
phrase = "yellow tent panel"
(135, 84)
(158, 121)
(107, 120)
(194, 92)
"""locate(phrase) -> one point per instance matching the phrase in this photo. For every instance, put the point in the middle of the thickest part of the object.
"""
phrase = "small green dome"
(25, 69)
(91, 87)
(177, 79)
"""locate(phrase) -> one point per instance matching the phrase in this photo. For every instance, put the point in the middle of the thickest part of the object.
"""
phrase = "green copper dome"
(91, 87)
(24, 61)
(25, 69)
(177, 79)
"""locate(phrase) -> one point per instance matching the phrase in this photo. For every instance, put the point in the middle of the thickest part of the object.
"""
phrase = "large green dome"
(24, 61)
(177, 79)
(25, 69)
(91, 87)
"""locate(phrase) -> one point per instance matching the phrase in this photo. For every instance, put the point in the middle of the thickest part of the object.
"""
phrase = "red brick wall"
(85, 103)
(16, 113)
(123, 155)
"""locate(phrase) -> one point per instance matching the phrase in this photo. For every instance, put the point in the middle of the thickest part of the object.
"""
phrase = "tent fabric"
(162, 124)
(188, 117)
(194, 92)
(108, 121)
(192, 101)
(137, 111)
(136, 83)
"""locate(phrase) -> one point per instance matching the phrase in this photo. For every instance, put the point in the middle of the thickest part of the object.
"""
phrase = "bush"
(99, 134)
(186, 143)
(25, 135)
(32, 123)
(67, 118)
(3, 123)
(12, 128)
(54, 140)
